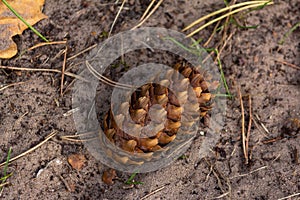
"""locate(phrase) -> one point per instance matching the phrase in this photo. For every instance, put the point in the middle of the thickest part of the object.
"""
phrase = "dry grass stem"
(262, 125)
(82, 52)
(242, 175)
(272, 140)
(219, 178)
(3, 184)
(253, 5)
(147, 17)
(46, 43)
(42, 70)
(31, 149)
(147, 10)
(290, 196)
(107, 80)
(117, 16)
(220, 11)
(288, 64)
(63, 71)
(212, 35)
(243, 125)
(221, 196)
(259, 127)
(153, 192)
(72, 138)
(249, 127)
(10, 85)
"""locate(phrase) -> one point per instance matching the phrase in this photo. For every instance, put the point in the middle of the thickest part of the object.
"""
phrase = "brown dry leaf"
(108, 176)
(10, 25)
(76, 161)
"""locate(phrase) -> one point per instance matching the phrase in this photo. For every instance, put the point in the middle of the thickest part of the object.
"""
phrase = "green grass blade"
(24, 21)
(7, 161)
(131, 181)
(5, 175)
(198, 52)
(289, 33)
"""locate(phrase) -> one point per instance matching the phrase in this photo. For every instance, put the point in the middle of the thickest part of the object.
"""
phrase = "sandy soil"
(32, 110)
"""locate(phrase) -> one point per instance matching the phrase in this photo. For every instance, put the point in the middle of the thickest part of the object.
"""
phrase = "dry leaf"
(108, 176)
(76, 161)
(10, 25)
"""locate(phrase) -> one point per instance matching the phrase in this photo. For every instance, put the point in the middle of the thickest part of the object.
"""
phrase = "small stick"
(63, 72)
(288, 64)
(113, 24)
(31, 149)
(43, 70)
(243, 126)
(153, 192)
(10, 85)
(249, 128)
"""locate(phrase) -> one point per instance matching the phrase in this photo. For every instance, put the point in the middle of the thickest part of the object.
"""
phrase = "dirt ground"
(251, 60)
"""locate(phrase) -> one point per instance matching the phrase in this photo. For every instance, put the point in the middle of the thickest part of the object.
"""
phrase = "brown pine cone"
(157, 105)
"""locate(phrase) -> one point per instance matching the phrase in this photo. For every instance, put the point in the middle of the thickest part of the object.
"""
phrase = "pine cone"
(165, 115)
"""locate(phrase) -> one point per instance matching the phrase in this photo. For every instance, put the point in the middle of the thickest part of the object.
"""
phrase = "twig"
(10, 85)
(81, 52)
(243, 126)
(151, 12)
(31, 149)
(249, 128)
(288, 64)
(43, 70)
(153, 192)
(113, 24)
(290, 196)
(63, 71)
